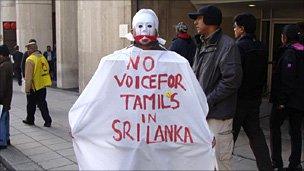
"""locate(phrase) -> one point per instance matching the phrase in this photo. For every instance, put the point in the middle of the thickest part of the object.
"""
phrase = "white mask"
(144, 26)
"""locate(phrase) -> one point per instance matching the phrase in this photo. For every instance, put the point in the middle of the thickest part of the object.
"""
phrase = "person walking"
(17, 56)
(37, 78)
(50, 56)
(217, 66)
(6, 92)
(287, 96)
(254, 65)
(183, 43)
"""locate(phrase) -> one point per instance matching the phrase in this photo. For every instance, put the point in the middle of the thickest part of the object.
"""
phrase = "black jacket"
(6, 83)
(217, 66)
(25, 56)
(185, 47)
(17, 56)
(288, 78)
(254, 65)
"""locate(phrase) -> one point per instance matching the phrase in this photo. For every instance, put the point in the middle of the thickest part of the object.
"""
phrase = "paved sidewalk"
(40, 148)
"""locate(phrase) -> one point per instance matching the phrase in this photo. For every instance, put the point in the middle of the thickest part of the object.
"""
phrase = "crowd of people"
(231, 72)
(233, 75)
(32, 71)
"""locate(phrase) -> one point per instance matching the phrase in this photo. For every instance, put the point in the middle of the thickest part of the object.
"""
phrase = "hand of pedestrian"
(70, 133)
(213, 142)
(281, 107)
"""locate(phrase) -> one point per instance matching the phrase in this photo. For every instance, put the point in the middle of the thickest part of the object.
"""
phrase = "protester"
(217, 66)
(37, 78)
(131, 117)
(254, 65)
(287, 95)
(183, 43)
(17, 56)
(50, 56)
(6, 92)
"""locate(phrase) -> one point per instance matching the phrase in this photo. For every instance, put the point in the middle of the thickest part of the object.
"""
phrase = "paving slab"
(68, 167)
(55, 163)
(45, 156)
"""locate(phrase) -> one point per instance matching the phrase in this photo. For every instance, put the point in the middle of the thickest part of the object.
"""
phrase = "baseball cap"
(31, 42)
(212, 15)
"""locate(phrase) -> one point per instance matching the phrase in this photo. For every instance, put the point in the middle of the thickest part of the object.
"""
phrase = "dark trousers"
(295, 122)
(247, 116)
(17, 73)
(51, 65)
(37, 98)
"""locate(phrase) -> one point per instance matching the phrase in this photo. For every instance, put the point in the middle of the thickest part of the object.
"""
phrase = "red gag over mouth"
(145, 38)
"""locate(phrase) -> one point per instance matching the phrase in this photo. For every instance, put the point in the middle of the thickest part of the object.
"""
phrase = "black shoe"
(47, 125)
(295, 168)
(2, 147)
(8, 142)
(28, 123)
(277, 167)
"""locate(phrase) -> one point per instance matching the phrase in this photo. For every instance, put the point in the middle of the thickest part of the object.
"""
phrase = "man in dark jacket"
(254, 64)
(287, 95)
(6, 91)
(183, 43)
(217, 66)
(50, 56)
(17, 56)
(25, 56)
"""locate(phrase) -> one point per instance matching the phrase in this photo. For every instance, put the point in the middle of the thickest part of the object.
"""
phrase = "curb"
(13, 159)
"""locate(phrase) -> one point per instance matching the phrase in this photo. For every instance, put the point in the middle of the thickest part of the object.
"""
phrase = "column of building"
(7, 14)
(67, 44)
(34, 21)
(98, 33)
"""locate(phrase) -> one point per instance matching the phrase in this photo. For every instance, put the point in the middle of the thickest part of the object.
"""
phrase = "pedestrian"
(217, 66)
(287, 96)
(254, 65)
(144, 70)
(183, 43)
(17, 56)
(6, 91)
(37, 78)
(50, 56)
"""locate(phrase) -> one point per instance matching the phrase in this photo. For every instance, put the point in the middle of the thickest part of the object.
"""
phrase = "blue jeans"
(4, 128)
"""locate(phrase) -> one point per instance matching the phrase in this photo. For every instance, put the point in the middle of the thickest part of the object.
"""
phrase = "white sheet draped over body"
(142, 109)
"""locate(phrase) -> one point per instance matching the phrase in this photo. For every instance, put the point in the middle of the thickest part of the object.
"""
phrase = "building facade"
(84, 31)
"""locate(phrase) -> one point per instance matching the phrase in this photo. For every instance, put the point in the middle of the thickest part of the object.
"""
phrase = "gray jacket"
(218, 68)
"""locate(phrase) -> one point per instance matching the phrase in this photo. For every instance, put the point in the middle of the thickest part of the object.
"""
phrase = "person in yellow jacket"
(37, 78)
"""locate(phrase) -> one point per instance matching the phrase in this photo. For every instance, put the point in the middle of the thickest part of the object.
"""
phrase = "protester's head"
(207, 19)
(290, 33)
(32, 46)
(145, 26)
(181, 27)
(244, 23)
(4, 51)
(48, 48)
